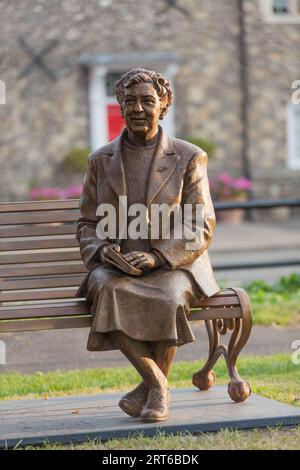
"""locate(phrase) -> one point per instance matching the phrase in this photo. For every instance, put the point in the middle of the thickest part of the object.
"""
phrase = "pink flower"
(212, 184)
(226, 179)
(226, 187)
(72, 191)
(243, 183)
(34, 193)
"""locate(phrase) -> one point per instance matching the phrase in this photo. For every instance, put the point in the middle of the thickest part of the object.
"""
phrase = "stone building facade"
(232, 64)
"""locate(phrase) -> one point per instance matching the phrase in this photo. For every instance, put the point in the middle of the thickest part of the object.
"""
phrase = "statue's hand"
(142, 260)
(114, 246)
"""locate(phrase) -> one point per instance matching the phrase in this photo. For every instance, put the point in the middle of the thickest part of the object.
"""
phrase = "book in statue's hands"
(116, 259)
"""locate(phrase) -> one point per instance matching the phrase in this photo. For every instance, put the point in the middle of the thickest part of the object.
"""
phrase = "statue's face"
(141, 108)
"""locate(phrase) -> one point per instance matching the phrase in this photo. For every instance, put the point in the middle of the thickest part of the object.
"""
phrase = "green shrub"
(75, 160)
(207, 145)
(285, 285)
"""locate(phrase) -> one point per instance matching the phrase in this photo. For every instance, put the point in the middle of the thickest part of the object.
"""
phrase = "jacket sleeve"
(90, 244)
(198, 221)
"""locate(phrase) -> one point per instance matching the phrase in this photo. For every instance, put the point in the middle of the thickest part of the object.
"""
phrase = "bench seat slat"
(38, 282)
(38, 217)
(46, 324)
(214, 313)
(218, 301)
(80, 307)
(82, 321)
(30, 294)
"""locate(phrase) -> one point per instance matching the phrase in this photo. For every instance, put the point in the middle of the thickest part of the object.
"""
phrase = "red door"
(115, 121)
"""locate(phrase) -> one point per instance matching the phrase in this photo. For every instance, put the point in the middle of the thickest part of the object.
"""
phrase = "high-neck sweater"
(137, 162)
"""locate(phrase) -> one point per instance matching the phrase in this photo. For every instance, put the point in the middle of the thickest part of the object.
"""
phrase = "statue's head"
(145, 97)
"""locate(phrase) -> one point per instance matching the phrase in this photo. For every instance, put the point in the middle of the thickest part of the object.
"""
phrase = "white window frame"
(266, 7)
(293, 113)
(97, 105)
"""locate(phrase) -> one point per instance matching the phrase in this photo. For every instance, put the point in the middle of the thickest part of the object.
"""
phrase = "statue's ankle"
(161, 383)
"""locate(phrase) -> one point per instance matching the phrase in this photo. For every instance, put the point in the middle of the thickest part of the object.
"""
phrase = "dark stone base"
(76, 419)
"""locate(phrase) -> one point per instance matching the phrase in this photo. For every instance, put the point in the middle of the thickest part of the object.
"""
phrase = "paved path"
(250, 236)
(255, 242)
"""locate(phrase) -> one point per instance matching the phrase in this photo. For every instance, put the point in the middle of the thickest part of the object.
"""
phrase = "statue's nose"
(138, 107)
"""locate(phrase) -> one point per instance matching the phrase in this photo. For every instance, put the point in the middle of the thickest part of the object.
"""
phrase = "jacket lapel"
(113, 166)
(163, 164)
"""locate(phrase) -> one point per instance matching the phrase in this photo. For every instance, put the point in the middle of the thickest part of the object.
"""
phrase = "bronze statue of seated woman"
(145, 316)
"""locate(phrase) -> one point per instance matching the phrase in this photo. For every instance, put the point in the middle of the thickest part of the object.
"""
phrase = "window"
(281, 11)
(111, 80)
(281, 6)
(294, 136)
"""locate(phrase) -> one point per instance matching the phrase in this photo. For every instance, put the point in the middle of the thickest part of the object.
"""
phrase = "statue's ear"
(164, 104)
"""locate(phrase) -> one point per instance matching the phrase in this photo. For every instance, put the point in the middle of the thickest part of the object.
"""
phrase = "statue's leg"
(139, 354)
(163, 353)
(151, 398)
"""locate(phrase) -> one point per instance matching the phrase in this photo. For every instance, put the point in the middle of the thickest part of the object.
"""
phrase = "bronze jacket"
(178, 175)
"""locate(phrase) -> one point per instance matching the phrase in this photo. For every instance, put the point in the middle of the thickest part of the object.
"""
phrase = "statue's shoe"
(133, 402)
(157, 405)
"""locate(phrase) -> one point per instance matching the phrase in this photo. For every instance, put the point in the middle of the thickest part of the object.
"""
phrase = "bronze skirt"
(152, 307)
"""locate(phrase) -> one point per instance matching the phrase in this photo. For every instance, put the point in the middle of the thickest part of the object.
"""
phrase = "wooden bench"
(41, 268)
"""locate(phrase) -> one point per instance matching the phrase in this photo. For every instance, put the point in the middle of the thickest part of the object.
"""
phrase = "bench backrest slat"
(39, 282)
(39, 205)
(38, 217)
(33, 243)
(47, 310)
(39, 256)
(34, 230)
(41, 294)
(41, 269)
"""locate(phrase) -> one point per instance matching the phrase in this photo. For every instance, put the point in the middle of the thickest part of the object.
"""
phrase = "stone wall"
(43, 118)
(274, 64)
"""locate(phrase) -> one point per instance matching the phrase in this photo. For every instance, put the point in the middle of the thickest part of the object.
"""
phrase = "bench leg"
(238, 389)
(206, 377)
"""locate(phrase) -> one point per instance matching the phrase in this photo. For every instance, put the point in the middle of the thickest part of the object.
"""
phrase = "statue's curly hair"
(139, 75)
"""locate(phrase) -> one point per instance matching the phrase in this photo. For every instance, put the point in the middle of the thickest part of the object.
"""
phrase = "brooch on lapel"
(163, 167)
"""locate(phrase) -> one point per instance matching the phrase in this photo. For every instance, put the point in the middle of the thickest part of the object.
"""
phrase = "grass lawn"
(277, 303)
(226, 439)
(271, 376)
(276, 309)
